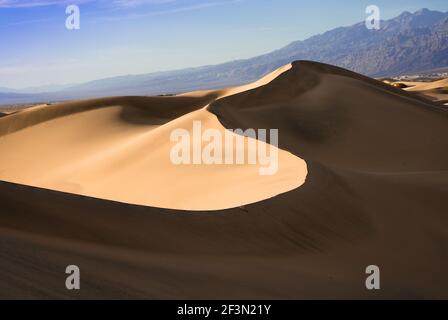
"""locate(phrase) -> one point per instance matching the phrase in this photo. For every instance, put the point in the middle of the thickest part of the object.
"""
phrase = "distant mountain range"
(411, 42)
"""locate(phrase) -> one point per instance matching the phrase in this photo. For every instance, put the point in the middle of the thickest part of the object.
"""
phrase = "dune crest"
(222, 93)
(119, 149)
(355, 131)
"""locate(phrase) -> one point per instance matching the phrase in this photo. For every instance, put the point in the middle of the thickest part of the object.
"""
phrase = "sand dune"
(375, 159)
(424, 86)
(119, 149)
(356, 131)
(235, 90)
(435, 90)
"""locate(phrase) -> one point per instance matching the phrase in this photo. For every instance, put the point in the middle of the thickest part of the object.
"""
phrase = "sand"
(434, 90)
(103, 152)
(424, 86)
(238, 89)
(376, 159)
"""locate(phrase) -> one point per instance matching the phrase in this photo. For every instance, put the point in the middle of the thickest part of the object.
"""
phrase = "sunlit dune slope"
(424, 86)
(119, 149)
(434, 90)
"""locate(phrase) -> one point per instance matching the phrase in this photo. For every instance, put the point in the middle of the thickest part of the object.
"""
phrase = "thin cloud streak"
(135, 3)
(16, 4)
(192, 7)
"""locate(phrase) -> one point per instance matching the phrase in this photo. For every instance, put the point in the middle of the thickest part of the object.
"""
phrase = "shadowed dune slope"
(344, 120)
(312, 242)
(375, 193)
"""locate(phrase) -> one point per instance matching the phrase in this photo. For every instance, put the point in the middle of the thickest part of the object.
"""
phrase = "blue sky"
(119, 37)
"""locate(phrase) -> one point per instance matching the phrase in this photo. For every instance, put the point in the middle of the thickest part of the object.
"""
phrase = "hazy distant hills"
(409, 43)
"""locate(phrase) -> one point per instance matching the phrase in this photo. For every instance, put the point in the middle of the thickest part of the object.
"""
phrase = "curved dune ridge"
(424, 86)
(343, 119)
(375, 194)
(435, 90)
(119, 149)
